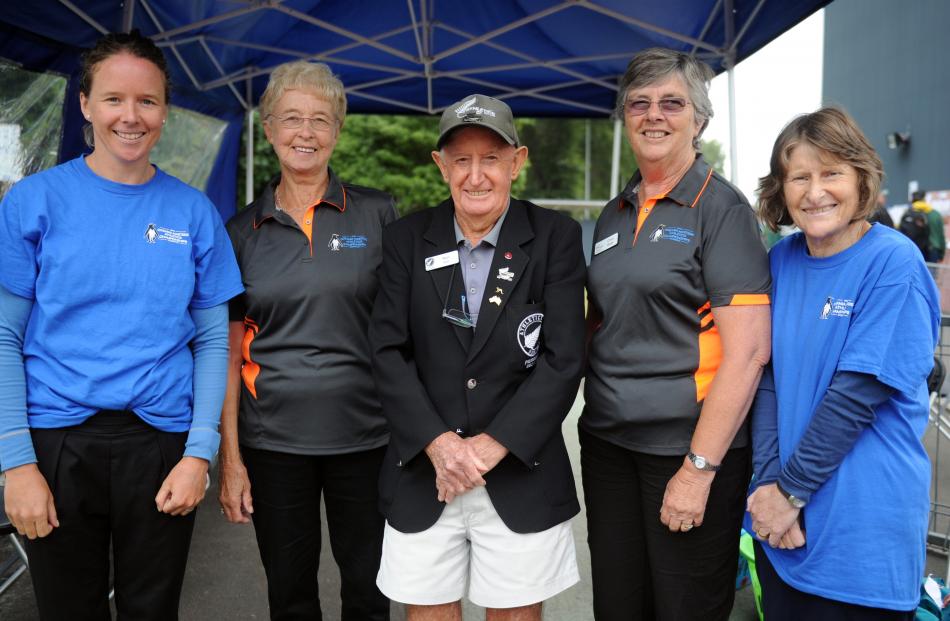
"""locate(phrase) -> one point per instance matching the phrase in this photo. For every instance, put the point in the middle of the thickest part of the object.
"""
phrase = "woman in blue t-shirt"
(840, 495)
(113, 352)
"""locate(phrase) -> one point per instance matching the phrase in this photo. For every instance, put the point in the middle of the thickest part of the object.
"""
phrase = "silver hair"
(657, 64)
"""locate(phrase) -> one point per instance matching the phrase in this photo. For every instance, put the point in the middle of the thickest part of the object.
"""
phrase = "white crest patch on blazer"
(529, 334)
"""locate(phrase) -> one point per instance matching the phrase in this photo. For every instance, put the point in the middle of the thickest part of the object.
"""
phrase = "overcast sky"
(777, 83)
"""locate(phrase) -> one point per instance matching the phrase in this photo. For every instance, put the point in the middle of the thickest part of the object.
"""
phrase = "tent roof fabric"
(545, 57)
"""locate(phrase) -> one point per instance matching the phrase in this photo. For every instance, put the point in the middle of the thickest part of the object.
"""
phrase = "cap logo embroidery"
(469, 111)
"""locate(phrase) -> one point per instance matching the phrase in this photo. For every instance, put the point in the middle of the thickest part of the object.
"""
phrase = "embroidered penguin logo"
(657, 235)
(826, 309)
(151, 233)
(335, 243)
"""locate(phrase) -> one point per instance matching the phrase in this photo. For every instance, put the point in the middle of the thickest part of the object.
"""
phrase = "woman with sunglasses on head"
(301, 416)
(113, 352)
(679, 321)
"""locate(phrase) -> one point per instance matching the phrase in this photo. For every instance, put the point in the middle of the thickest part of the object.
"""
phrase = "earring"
(163, 121)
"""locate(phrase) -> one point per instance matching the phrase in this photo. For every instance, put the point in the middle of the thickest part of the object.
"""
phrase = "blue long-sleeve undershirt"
(209, 348)
(847, 408)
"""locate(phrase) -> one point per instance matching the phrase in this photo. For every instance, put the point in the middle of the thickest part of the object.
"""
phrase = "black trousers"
(781, 602)
(286, 490)
(104, 475)
(640, 569)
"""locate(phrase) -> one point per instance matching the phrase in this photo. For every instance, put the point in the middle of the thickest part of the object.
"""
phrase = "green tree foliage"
(714, 154)
(392, 153)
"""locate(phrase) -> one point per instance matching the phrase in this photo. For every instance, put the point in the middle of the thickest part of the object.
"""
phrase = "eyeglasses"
(317, 124)
(668, 105)
(456, 317)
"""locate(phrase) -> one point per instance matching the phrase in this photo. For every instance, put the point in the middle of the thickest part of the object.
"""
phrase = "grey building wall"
(888, 63)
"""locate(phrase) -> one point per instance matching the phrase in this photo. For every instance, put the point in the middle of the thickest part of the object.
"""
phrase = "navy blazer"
(504, 378)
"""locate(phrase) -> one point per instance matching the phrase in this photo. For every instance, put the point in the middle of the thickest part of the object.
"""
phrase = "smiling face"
(822, 198)
(658, 138)
(479, 167)
(126, 107)
(306, 149)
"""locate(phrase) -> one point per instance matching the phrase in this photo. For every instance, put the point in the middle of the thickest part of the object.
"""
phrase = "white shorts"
(470, 545)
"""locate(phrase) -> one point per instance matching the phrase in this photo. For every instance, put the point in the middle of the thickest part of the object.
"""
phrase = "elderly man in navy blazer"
(478, 340)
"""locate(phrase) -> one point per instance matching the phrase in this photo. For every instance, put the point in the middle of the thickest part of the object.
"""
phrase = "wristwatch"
(796, 502)
(702, 463)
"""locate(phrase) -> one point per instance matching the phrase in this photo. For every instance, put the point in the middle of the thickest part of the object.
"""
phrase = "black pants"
(640, 569)
(104, 475)
(781, 602)
(286, 489)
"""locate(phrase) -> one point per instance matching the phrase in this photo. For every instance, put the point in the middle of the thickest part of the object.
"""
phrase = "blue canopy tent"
(545, 57)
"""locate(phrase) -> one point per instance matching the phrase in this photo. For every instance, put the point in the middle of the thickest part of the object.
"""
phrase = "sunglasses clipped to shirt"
(668, 105)
(456, 316)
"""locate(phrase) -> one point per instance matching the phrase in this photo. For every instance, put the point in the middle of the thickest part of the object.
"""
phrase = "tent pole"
(733, 162)
(615, 161)
(587, 160)
(249, 156)
(729, 22)
(128, 12)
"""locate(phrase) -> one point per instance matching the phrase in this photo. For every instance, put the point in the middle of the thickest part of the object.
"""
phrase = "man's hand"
(457, 467)
(184, 487)
(772, 514)
(488, 450)
(29, 502)
(235, 491)
(684, 501)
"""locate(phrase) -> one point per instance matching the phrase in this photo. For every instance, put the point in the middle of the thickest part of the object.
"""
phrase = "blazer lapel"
(448, 288)
(504, 274)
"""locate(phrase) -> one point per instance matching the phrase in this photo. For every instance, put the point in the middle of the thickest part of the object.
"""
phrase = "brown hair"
(832, 131)
(119, 43)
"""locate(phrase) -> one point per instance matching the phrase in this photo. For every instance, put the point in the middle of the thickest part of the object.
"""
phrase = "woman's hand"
(29, 502)
(772, 515)
(235, 491)
(184, 487)
(684, 501)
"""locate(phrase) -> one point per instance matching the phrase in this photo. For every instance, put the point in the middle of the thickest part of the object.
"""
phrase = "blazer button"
(471, 383)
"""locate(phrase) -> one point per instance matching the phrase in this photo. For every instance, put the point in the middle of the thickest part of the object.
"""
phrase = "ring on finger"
(686, 527)
(762, 535)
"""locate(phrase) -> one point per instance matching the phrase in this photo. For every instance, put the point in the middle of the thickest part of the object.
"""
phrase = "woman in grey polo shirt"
(301, 417)
(679, 315)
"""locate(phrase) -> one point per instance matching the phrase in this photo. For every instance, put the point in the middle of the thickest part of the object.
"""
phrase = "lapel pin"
(495, 300)
(499, 291)
(505, 274)
(508, 255)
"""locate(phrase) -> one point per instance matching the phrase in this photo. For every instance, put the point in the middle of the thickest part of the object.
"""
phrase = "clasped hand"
(774, 519)
(460, 463)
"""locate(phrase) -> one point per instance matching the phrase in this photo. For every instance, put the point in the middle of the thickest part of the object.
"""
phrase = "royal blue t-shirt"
(874, 309)
(112, 269)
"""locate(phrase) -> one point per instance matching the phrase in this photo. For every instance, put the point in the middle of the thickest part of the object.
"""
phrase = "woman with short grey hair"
(301, 418)
(679, 320)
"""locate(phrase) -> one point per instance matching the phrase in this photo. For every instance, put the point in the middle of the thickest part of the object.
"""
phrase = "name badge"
(441, 260)
(606, 243)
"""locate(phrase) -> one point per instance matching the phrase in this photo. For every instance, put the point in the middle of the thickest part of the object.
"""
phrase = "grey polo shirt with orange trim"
(307, 381)
(657, 348)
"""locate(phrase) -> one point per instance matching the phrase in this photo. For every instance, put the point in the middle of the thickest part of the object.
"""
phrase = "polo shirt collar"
(266, 208)
(492, 237)
(684, 193)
